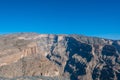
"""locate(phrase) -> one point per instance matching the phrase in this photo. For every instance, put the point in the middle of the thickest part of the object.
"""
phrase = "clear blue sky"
(88, 17)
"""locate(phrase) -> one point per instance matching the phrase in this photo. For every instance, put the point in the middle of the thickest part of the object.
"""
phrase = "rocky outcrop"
(62, 57)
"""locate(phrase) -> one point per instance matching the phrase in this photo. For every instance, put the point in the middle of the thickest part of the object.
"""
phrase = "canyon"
(32, 56)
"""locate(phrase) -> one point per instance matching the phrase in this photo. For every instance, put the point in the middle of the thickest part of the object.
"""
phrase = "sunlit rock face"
(58, 57)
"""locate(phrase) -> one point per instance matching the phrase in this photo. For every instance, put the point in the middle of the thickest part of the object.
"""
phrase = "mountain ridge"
(19, 33)
(75, 57)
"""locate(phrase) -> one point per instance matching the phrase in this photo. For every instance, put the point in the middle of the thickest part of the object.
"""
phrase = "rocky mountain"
(32, 56)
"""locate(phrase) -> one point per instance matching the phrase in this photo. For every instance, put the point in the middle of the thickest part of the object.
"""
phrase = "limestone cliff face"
(74, 57)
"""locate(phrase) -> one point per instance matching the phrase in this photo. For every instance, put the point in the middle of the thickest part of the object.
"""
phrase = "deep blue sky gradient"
(88, 17)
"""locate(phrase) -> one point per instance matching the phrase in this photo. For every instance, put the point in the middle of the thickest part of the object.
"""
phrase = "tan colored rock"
(75, 57)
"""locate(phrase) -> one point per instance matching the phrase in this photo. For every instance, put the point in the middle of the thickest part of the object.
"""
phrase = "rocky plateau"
(32, 56)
